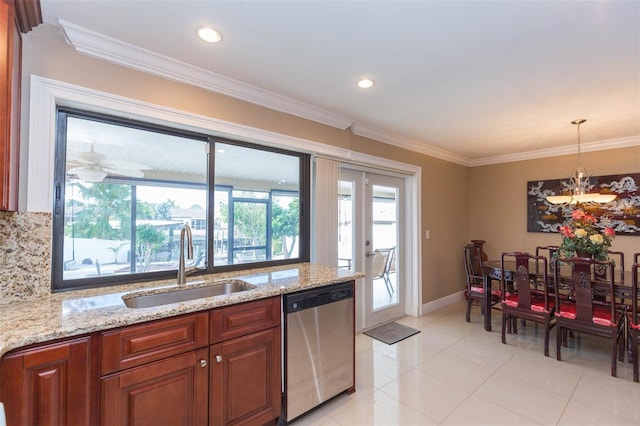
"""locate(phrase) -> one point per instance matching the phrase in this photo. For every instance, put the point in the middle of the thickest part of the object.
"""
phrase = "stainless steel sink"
(183, 294)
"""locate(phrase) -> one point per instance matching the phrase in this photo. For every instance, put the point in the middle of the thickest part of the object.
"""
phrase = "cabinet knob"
(203, 363)
(218, 358)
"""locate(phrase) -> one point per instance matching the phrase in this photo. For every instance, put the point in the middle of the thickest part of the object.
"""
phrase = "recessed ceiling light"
(366, 83)
(209, 35)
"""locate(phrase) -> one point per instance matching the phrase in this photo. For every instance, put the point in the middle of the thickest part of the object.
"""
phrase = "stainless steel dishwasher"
(319, 347)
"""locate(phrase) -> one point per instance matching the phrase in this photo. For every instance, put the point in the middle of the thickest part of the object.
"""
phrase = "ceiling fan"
(94, 167)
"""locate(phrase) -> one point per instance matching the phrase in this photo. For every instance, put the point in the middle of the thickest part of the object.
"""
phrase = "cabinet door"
(173, 391)
(245, 379)
(48, 385)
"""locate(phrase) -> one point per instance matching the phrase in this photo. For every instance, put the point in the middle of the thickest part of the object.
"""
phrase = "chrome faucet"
(182, 273)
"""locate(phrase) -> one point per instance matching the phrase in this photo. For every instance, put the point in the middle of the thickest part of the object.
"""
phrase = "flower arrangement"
(581, 236)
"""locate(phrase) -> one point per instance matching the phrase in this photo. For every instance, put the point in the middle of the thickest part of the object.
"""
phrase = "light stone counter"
(58, 315)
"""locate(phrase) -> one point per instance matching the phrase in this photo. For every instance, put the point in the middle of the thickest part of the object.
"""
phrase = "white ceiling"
(473, 80)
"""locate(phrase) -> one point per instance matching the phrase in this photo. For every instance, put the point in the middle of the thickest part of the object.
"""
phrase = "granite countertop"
(72, 313)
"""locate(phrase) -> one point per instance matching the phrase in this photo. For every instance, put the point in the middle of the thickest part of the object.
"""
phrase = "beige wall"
(498, 198)
(444, 184)
(457, 204)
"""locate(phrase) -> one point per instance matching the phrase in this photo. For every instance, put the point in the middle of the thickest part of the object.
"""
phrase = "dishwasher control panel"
(312, 298)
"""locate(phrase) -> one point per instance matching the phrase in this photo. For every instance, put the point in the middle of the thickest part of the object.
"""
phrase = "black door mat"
(391, 333)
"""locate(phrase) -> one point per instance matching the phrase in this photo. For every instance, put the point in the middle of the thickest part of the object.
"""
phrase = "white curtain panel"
(324, 243)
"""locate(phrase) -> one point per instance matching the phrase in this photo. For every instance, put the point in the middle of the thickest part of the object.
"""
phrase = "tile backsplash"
(25, 255)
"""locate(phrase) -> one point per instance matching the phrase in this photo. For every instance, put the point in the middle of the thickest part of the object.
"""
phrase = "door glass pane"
(384, 212)
(345, 224)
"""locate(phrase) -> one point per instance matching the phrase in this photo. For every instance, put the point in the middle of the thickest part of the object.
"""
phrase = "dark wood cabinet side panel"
(10, 78)
(135, 345)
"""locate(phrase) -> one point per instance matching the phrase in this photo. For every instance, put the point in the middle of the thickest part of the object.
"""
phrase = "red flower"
(566, 231)
(609, 232)
(577, 214)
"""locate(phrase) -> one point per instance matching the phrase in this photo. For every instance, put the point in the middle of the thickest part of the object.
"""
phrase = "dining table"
(492, 272)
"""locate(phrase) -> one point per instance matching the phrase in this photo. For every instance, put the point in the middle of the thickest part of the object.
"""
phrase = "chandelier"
(579, 184)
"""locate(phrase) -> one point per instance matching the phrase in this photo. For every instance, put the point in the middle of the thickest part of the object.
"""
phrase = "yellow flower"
(596, 239)
(581, 233)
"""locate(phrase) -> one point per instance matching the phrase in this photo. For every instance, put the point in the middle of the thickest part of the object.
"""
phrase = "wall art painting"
(622, 214)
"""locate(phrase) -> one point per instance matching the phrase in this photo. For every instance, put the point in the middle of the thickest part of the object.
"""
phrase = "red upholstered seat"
(537, 302)
(481, 290)
(601, 314)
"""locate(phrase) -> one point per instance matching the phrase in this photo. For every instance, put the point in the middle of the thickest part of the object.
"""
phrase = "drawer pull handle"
(218, 358)
(203, 363)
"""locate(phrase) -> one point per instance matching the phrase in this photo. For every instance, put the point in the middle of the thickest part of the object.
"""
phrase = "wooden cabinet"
(16, 17)
(245, 371)
(173, 391)
(10, 54)
(215, 367)
(165, 372)
(48, 385)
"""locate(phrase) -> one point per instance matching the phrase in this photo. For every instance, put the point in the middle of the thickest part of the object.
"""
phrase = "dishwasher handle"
(313, 298)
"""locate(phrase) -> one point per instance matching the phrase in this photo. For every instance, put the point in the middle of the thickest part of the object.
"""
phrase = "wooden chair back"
(473, 266)
(524, 284)
(618, 258)
(635, 293)
(578, 275)
(634, 326)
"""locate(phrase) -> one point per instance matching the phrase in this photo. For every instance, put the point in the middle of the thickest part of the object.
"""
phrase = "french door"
(370, 239)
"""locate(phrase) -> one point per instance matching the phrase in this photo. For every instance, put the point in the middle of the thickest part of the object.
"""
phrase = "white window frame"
(47, 94)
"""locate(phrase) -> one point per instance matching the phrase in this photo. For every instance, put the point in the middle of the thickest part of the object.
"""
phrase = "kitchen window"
(124, 189)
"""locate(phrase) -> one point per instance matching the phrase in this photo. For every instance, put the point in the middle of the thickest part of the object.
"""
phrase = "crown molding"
(407, 143)
(113, 50)
(555, 152)
(125, 54)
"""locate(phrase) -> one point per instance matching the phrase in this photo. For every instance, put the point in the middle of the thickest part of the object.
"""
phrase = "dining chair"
(549, 252)
(634, 316)
(475, 280)
(584, 311)
(382, 260)
(618, 261)
(530, 298)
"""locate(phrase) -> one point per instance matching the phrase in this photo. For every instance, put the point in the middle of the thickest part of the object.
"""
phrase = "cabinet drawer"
(140, 344)
(237, 320)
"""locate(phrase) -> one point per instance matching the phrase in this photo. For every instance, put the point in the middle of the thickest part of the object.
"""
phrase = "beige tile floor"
(455, 373)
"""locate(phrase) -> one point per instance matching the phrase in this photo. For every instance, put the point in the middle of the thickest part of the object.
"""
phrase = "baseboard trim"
(442, 302)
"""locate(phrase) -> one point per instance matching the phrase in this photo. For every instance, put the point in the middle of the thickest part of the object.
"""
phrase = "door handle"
(369, 254)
